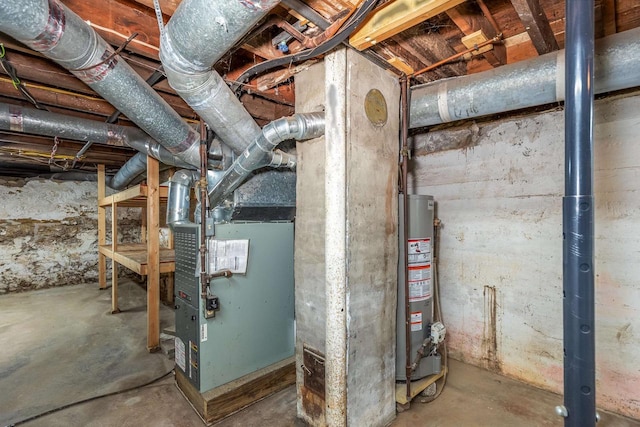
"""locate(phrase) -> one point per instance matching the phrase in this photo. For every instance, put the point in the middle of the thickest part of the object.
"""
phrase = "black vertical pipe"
(578, 218)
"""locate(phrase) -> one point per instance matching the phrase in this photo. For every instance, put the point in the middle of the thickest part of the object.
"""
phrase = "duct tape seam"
(443, 107)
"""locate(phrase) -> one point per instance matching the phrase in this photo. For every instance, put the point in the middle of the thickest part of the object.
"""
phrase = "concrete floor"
(62, 345)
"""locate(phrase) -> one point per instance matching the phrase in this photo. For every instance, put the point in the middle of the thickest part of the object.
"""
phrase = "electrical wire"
(10, 70)
(89, 399)
(351, 24)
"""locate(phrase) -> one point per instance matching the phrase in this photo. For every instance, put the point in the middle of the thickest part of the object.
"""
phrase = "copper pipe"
(404, 99)
(496, 39)
(204, 279)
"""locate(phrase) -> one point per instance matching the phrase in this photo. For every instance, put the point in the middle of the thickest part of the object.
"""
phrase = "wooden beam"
(264, 109)
(469, 19)
(168, 6)
(108, 155)
(430, 48)
(609, 17)
(219, 402)
(394, 17)
(267, 81)
(102, 229)
(153, 255)
(65, 99)
(537, 25)
(116, 21)
(114, 264)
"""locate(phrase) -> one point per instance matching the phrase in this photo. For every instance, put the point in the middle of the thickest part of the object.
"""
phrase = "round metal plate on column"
(375, 107)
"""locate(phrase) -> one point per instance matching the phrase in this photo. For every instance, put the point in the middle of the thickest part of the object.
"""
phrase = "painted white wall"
(500, 202)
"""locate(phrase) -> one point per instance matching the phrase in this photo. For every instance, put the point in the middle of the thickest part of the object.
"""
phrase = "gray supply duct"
(524, 84)
(198, 34)
(38, 122)
(128, 172)
(54, 30)
(260, 153)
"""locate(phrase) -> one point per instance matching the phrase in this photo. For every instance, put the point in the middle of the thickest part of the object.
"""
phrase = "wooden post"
(143, 226)
(171, 245)
(114, 264)
(153, 255)
(102, 229)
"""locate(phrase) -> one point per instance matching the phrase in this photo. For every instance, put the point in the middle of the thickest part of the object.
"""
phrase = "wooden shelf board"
(134, 257)
(135, 197)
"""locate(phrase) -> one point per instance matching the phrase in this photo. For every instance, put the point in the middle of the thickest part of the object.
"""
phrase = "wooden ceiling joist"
(394, 17)
(536, 24)
(470, 20)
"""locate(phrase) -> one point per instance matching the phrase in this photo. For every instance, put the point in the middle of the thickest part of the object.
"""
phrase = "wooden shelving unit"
(146, 258)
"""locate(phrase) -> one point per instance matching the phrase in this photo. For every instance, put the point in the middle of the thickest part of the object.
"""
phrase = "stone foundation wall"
(48, 233)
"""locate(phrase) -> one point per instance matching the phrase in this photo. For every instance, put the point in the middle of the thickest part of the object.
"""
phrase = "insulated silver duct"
(38, 122)
(198, 34)
(260, 153)
(524, 84)
(51, 28)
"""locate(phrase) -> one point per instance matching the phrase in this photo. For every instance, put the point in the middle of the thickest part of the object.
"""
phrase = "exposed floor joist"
(536, 24)
(467, 18)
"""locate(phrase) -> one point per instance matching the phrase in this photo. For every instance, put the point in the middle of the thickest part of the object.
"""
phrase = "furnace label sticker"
(419, 251)
(203, 332)
(181, 357)
(228, 255)
(416, 321)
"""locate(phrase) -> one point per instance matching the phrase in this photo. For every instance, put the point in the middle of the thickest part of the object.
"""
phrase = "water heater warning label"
(419, 251)
(416, 321)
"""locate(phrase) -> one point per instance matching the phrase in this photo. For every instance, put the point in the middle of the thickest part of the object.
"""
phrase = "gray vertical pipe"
(578, 217)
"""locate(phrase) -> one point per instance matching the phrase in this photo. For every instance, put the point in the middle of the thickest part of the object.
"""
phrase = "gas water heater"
(425, 333)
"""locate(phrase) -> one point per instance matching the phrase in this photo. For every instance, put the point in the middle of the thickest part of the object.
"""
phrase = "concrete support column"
(346, 244)
(335, 232)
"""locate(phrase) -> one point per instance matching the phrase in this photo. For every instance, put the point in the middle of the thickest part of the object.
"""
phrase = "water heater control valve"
(438, 332)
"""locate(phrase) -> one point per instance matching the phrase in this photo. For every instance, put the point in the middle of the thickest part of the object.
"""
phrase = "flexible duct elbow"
(261, 152)
(179, 197)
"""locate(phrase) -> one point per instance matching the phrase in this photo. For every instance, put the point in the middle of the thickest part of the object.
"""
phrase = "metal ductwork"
(198, 34)
(51, 28)
(180, 196)
(128, 172)
(38, 122)
(508, 88)
(260, 153)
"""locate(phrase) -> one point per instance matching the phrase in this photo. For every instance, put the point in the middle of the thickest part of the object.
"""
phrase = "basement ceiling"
(447, 37)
